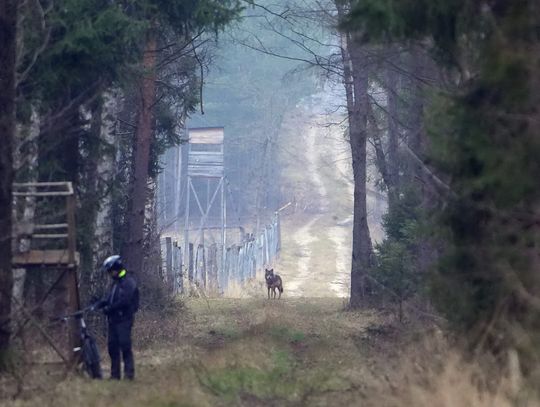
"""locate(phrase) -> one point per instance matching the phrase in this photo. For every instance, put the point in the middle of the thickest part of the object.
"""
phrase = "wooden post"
(226, 269)
(223, 230)
(71, 282)
(212, 268)
(188, 247)
(73, 306)
(190, 264)
(174, 268)
(234, 266)
(278, 233)
(178, 189)
(168, 260)
(205, 268)
(201, 265)
(72, 239)
(179, 276)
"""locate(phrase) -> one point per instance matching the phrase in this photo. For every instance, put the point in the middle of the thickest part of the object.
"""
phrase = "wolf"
(273, 281)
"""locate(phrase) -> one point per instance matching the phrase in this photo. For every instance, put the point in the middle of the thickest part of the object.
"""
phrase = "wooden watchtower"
(205, 189)
(44, 244)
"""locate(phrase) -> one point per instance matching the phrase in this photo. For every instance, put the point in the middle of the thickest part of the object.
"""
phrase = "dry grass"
(251, 288)
(293, 352)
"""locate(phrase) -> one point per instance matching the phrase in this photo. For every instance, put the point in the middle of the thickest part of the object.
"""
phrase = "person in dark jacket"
(120, 306)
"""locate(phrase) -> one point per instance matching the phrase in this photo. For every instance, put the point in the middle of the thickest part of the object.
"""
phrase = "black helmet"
(112, 263)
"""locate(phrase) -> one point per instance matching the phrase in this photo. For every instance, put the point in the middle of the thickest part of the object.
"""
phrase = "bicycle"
(89, 350)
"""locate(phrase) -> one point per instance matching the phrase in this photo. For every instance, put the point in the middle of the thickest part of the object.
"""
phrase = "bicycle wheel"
(91, 359)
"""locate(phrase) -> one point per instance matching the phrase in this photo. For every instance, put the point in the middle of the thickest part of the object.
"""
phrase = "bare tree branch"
(201, 84)
(43, 46)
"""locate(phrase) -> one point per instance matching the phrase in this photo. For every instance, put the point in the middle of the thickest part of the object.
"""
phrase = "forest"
(373, 162)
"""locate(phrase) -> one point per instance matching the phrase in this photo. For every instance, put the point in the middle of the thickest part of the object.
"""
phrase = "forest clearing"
(293, 352)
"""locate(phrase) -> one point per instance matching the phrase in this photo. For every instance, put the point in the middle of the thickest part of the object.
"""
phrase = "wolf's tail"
(281, 288)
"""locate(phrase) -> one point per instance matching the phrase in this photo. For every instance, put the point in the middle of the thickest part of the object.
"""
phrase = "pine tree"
(485, 141)
(184, 19)
(8, 43)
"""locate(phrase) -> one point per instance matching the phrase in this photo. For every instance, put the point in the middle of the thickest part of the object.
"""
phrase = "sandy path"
(341, 281)
(313, 159)
(319, 248)
(341, 235)
(303, 238)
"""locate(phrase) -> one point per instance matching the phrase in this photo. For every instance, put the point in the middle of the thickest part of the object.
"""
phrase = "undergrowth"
(292, 352)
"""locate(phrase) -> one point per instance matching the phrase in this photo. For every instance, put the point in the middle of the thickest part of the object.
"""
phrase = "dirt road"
(315, 259)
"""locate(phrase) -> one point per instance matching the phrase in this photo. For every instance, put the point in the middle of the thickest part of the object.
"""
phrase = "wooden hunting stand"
(205, 185)
(45, 244)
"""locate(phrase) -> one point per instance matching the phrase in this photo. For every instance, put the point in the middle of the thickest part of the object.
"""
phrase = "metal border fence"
(204, 268)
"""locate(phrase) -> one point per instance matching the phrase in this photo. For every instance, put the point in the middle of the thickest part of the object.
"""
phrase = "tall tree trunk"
(25, 167)
(96, 202)
(356, 90)
(362, 249)
(393, 136)
(388, 163)
(105, 171)
(8, 38)
(417, 140)
(89, 200)
(134, 249)
(152, 249)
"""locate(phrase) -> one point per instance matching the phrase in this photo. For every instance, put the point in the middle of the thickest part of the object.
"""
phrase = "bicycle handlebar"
(79, 313)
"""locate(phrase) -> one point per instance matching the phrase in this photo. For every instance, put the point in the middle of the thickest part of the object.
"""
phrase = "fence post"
(204, 274)
(169, 263)
(235, 262)
(181, 269)
(278, 233)
(175, 265)
(226, 269)
(191, 267)
(252, 259)
(197, 272)
(239, 262)
(212, 268)
(241, 258)
(260, 257)
(266, 245)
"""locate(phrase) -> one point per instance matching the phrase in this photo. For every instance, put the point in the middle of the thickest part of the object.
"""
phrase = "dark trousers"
(119, 344)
